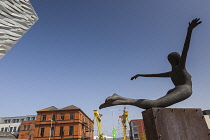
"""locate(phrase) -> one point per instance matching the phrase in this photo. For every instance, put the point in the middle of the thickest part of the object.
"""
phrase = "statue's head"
(174, 58)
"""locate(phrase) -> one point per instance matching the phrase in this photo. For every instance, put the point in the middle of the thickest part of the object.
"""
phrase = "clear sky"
(82, 51)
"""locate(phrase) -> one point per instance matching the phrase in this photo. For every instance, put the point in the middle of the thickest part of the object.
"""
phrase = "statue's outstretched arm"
(192, 25)
(165, 74)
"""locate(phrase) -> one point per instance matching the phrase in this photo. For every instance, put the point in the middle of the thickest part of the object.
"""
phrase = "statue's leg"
(117, 100)
(175, 95)
(171, 90)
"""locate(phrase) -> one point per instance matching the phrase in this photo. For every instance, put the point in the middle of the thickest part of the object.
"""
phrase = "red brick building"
(69, 123)
(137, 131)
(27, 129)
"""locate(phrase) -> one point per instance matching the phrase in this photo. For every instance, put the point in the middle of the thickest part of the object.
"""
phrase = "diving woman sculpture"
(179, 76)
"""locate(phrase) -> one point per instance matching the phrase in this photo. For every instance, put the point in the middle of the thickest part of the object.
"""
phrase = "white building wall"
(12, 124)
(10, 127)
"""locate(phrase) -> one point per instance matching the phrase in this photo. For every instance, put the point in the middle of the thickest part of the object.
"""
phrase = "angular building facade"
(16, 18)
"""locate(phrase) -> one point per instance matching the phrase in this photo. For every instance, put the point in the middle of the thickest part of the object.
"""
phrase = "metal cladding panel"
(175, 124)
(16, 18)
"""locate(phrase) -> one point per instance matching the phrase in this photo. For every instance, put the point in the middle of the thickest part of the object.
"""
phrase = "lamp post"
(50, 126)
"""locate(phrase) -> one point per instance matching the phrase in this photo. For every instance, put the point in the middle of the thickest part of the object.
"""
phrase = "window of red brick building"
(52, 131)
(71, 130)
(61, 131)
(42, 132)
(53, 117)
(62, 116)
(71, 116)
(44, 118)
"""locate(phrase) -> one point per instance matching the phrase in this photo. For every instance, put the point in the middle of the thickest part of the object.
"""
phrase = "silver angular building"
(16, 18)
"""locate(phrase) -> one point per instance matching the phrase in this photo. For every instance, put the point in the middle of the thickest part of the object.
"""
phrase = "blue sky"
(82, 51)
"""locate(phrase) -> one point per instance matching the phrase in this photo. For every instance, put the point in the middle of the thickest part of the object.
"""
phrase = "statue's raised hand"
(194, 23)
(134, 77)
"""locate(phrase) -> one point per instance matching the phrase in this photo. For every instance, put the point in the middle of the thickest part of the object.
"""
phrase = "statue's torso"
(180, 76)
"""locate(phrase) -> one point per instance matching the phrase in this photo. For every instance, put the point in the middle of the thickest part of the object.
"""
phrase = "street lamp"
(50, 126)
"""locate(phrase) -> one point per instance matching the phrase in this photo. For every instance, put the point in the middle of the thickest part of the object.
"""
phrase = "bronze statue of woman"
(179, 76)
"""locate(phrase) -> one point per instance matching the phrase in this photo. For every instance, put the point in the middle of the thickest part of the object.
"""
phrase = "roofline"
(66, 110)
(87, 116)
(46, 111)
(57, 110)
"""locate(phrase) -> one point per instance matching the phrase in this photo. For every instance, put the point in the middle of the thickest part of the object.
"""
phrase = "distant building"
(60, 124)
(137, 129)
(12, 124)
